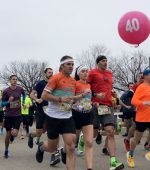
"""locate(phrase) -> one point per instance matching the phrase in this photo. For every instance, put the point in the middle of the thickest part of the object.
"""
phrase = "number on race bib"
(132, 25)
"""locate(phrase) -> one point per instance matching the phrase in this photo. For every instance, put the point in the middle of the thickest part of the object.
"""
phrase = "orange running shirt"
(82, 87)
(142, 94)
(60, 85)
(83, 104)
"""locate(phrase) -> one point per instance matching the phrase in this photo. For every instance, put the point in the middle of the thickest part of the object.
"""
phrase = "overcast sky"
(46, 30)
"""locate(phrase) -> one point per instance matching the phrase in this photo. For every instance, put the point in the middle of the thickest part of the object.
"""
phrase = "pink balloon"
(134, 27)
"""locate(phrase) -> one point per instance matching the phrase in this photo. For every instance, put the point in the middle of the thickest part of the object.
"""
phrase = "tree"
(88, 57)
(28, 73)
(127, 67)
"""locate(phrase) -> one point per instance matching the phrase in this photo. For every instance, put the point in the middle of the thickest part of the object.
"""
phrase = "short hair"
(99, 58)
(65, 57)
(130, 83)
(12, 76)
(45, 71)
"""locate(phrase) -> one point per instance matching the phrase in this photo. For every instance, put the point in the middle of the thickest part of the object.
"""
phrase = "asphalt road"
(23, 158)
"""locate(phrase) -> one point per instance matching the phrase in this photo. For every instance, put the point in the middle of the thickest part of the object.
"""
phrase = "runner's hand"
(86, 92)
(128, 107)
(66, 100)
(11, 98)
(39, 101)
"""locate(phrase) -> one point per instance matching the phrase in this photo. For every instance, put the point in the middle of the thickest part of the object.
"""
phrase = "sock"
(112, 160)
(131, 153)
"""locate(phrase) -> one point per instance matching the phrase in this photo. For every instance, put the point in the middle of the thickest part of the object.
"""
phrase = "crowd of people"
(81, 109)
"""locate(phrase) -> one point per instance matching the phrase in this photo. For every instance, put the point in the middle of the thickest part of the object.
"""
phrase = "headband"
(66, 61)
(82, 67)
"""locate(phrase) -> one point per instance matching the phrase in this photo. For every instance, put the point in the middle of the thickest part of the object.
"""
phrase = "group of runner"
(84, 104)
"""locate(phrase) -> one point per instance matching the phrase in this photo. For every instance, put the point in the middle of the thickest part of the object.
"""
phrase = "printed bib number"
(103, 110)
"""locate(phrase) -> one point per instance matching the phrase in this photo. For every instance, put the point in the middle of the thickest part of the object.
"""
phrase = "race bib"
(103, 110)
(15, 104)
(65, 107)
(86, 104)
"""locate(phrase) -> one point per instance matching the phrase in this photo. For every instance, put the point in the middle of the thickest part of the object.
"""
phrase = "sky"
(46, 30)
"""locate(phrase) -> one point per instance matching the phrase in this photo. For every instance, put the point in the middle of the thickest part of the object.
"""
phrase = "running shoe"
(11, 139)
(39, 153)
(55, 158)
(98, 139)
(147, 156)
(6, 154)
(63, 156)
(105, 151)
(116, 166)
(79, 153)
(30, 141)
(130, 160)
(81, 144)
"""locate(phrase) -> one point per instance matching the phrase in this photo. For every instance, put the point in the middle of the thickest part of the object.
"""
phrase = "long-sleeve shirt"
(141, 95)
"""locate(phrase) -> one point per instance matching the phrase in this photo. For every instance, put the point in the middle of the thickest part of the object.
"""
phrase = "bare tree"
(88, 57)
(28, 73)
(127, 67)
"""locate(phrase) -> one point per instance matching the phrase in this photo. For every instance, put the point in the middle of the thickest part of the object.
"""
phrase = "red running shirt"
(101, 82)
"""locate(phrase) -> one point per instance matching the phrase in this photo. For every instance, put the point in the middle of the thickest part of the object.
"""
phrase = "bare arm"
(33, 95)
(124, 105)
(49, 97)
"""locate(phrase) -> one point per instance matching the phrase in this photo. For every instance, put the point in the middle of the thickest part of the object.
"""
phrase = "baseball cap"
(146, 72)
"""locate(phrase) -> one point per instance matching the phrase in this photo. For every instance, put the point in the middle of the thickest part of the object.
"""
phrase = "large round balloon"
(134, 27)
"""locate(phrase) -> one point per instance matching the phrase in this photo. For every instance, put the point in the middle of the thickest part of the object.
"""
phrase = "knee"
(71, 147)
(89, 143)
(110, 133)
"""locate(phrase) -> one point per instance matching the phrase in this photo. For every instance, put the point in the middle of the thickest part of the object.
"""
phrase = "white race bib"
(103, 110)
(65, 107)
